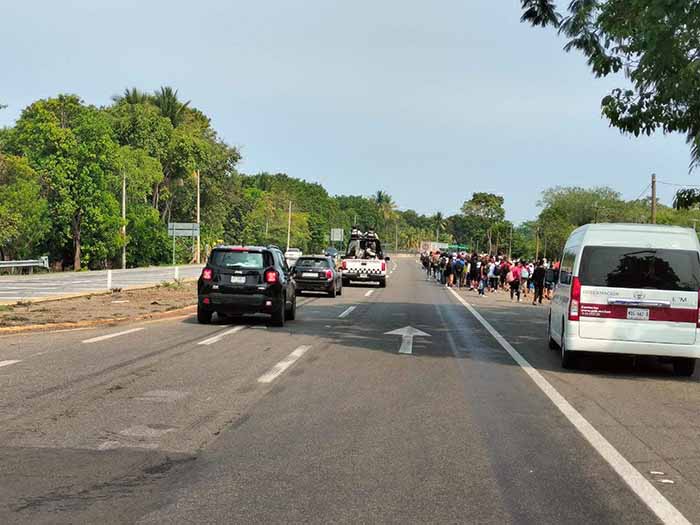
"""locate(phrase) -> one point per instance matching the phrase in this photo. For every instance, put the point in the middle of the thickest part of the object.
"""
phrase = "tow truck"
(364, 259)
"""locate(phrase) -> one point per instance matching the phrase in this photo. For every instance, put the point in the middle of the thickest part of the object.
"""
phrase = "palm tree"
(167, 102)
(386, 206)
(132, 96)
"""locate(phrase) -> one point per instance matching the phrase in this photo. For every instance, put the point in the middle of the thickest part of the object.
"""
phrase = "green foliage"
(654, 42)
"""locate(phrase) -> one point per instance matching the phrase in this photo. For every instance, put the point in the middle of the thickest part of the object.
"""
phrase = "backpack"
(510, 277)
(459, 265)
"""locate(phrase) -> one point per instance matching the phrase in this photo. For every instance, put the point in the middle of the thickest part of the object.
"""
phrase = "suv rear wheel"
(278, 315)
(203, 316)
(292, 312)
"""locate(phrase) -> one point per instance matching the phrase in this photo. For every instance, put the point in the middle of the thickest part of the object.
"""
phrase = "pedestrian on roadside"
(524, 278)
(516, 277)
(447, 272)
(538, 276)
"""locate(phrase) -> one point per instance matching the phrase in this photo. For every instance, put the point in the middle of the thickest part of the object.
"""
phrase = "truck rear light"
(207, 274)
(206, 300)
(271, 276)
(575, 302)
(345, 265)
(384, 267)
(329, 274)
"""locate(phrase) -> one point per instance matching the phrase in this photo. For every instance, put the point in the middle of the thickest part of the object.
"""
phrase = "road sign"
(337, 235)
(183, 229)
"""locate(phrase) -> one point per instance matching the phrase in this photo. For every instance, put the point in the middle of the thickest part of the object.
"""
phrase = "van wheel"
(683, 366)
(204, 316)
(292, 312)
(567, 358)
(552, 343)
(278, 316)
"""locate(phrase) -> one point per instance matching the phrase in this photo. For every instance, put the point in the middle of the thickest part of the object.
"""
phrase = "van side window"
(567, 265)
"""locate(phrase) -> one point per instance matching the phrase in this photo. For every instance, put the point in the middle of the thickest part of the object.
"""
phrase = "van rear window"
(236, 259)
(619, 267)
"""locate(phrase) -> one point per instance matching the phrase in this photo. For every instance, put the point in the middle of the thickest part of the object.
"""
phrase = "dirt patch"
(117, 305)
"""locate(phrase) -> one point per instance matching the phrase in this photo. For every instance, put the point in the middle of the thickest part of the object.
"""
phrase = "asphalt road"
(15, 288)
(324, 421)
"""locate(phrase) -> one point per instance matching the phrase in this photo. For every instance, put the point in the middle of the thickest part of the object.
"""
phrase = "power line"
(642, 192)
(679, 185)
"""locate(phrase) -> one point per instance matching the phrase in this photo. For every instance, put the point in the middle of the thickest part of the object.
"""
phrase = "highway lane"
(15, 288)
(152, 426)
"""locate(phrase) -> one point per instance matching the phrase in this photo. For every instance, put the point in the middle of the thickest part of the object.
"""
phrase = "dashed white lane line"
(279, 368)
(653, 499)
(369, 292)
(9, 362)
(110, 336)
(347, 312)
(220, 336)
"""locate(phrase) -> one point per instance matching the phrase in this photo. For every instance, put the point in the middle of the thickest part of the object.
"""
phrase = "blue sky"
(429, 101)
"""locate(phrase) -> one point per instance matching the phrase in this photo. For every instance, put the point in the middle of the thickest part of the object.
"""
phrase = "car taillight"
(575, 303)
(271, 277)
(206, 274)
(384, 267)
(329, 274)
(345, 265)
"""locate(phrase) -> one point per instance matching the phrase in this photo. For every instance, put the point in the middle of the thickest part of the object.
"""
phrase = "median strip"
(279, 368)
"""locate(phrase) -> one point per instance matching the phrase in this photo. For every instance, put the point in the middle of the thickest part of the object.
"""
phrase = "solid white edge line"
(218, 337)
(279, 368)
(653, 499)
(110, 336)
(9, 362)
(369, 292)
(347, 312)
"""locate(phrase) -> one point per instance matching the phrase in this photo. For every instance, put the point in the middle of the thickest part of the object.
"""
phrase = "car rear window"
(620, 267)
(312, 263)
(236, 259)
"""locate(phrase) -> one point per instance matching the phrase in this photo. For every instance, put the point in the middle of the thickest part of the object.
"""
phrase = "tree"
(70, 145)
(439, 224)
(165, 99)
(484, 210)
(655, 43)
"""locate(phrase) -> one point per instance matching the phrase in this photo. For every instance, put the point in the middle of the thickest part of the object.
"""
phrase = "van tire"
(683, 366)
(568, 359)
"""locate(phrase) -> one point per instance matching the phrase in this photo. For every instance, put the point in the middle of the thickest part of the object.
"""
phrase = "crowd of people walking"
(484, 274)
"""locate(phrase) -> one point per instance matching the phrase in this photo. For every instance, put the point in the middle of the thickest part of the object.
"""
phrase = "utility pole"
(289, 225)
(653, 198)
(396, 242)
(537, 243)
(123, 220)
(196, 255)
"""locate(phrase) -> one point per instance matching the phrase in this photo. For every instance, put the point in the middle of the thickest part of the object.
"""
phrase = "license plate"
(313, 275)
(638, 314)
(363, 276)
(235, 279)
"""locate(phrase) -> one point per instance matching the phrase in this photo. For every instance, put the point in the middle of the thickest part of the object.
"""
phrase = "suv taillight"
(384, 267)
(271, 276)
(345, 265)
(575, 302)
(206, 274)
(329, 274)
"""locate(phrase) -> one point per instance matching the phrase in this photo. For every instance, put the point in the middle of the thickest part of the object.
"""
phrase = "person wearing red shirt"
(516, 272)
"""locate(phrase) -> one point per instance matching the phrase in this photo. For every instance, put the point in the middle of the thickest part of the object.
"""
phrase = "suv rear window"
(619, 267)
(312, 263)
(236, 259)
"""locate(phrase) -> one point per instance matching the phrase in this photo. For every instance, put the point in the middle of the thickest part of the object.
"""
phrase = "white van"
(628, 289)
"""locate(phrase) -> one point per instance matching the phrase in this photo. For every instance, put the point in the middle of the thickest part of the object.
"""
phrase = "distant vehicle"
(245, 280)
(331, 252)
(364, 259)
(629, 289)
(291, 256)
(318, 273)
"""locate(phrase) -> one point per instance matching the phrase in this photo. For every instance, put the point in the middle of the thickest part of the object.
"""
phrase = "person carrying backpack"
(538, 276)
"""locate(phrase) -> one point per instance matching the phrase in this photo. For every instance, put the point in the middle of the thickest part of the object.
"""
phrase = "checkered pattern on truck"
(374, 269)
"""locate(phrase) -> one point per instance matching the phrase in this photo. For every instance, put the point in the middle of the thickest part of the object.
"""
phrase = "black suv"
(244, 280)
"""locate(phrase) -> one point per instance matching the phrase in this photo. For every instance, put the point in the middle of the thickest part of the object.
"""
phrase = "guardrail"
(42, 262)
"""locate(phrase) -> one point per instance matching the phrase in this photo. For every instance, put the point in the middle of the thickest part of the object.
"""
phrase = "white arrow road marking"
(110, 336)
(407, 334)
(219, 337)
(8, 362)
(347, 312)
(279, 368)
